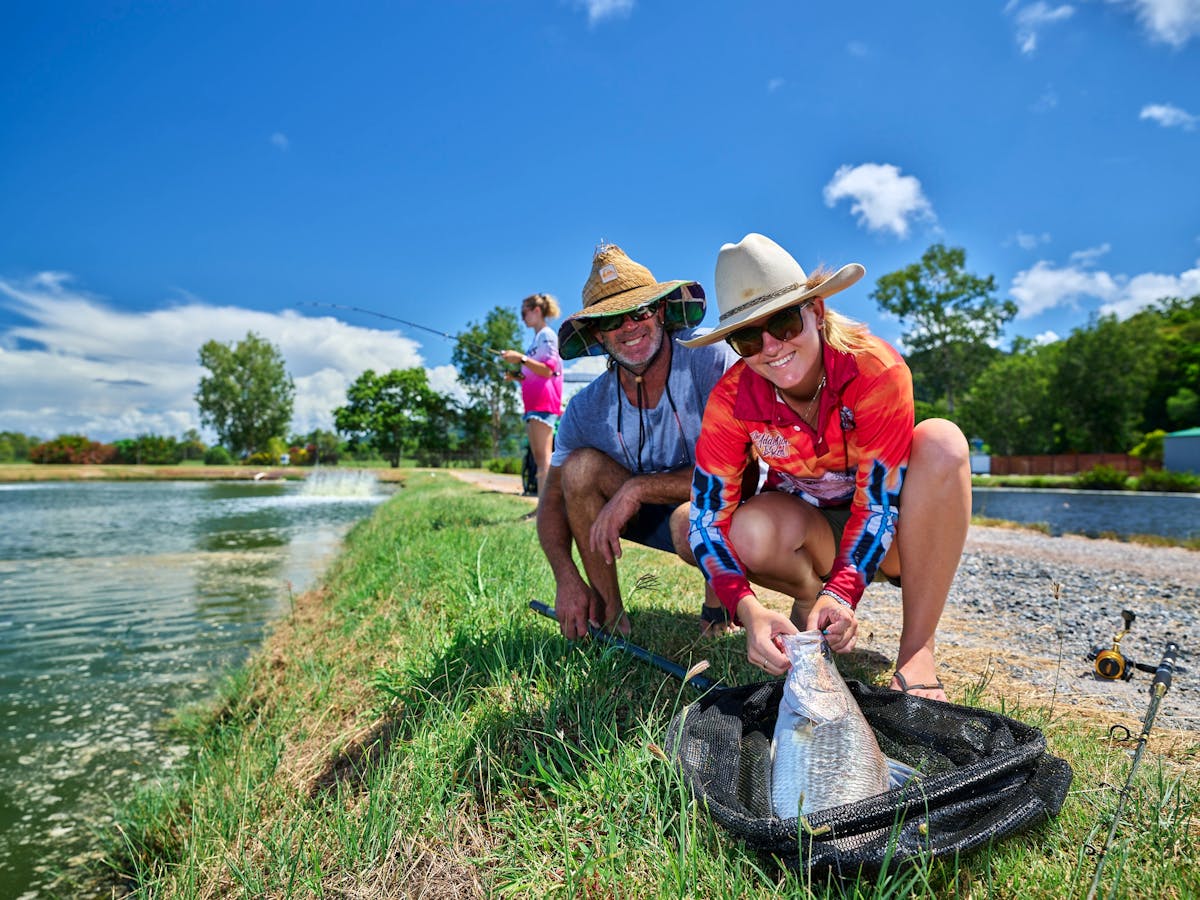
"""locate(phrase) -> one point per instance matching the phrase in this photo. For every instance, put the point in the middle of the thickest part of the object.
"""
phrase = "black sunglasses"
(616, 320)
(783, 326)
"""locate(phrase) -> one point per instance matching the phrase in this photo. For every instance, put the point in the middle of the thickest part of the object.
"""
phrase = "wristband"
(842, 600)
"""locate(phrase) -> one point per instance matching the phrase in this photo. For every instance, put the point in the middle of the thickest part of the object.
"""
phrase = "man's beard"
(638, 367)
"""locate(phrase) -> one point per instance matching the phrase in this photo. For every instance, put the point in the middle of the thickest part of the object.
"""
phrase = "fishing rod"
(699, 682)
(1158, 688)
(450, 337)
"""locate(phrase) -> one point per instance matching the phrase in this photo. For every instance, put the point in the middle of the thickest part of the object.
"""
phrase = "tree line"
(1103, 389)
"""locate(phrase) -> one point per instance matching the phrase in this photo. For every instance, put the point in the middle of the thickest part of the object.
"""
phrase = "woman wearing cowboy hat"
(849, 488)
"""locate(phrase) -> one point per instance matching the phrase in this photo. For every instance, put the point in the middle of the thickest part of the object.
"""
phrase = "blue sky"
(177, 172)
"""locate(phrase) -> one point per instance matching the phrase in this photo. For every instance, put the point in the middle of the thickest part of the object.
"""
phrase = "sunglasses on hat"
(616, 320)
(783, 326)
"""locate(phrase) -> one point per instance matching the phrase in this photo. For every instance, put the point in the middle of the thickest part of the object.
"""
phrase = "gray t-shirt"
(667, 436)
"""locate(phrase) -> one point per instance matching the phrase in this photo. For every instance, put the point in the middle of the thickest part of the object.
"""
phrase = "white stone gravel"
(1041, 603)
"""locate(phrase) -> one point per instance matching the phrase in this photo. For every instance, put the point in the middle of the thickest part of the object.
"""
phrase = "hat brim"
(839, 281)
(685, 309)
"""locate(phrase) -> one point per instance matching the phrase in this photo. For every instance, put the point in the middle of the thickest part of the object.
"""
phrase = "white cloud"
(775, 84)
(1046, 337)
(883, 199)
(599, 10)
(80, 365)
(1169, 116)
(1046, 286)
(1173, 22)
(1089, 256)
(280, 140)
(1029, 241)
(1031, 19)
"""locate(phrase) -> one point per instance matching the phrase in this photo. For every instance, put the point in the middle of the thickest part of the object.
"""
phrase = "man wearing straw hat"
(624, 453)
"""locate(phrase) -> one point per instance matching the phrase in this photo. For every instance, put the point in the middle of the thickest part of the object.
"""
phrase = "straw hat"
(618, 285)
(756, 277)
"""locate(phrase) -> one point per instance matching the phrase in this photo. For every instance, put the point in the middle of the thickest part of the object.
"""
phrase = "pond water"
(1093, 513)
(120, 602)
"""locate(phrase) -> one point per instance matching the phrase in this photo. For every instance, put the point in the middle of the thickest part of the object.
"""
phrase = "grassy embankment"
(185, 471)
(413, 730)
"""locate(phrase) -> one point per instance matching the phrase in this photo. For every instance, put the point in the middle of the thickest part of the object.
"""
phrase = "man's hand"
(605, 535)
(763, 628)
(575, 604)
(837, 621)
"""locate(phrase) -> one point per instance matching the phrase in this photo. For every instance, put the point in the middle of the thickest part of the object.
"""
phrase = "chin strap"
(616, 366)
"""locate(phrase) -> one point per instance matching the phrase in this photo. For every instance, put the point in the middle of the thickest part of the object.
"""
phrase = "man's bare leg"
(589, 480)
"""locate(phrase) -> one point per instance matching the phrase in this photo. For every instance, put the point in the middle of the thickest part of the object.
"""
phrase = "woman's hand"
(513, 356)
(836, 621)
(763, 628)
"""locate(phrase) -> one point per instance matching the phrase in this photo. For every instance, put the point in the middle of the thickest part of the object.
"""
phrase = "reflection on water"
(118, 603)
(1123, 513)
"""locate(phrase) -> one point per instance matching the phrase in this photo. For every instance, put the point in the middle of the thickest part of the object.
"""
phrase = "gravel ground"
(1031, 607)
(1028, 608)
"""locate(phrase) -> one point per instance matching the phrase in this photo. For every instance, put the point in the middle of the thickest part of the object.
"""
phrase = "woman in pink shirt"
(541, 378)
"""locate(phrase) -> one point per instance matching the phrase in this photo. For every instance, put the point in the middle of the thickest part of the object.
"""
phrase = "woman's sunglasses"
(616, 320)
(783, 326)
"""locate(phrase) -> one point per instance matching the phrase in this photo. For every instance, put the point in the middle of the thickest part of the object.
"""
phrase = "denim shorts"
(651, 527)
(547, 418)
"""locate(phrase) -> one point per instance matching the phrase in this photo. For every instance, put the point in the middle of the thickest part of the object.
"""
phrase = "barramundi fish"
(824, 753)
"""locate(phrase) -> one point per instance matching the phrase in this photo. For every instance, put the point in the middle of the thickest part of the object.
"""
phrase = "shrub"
(217, 456)
(73, 449)
(1150, 450)
(261, 458)
(1102, 478)
(504, 465)
(1161, 480)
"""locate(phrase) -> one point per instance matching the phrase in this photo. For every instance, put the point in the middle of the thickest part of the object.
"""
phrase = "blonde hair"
(545, 302)
(840, 332)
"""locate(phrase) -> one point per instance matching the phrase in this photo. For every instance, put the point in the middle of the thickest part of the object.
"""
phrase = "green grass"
(414, 730)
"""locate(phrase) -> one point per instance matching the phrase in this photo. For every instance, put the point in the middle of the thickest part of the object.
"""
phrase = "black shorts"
(651, 527)
(837, 517)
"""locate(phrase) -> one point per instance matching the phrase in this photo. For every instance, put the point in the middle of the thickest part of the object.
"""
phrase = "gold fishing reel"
(1110, 663)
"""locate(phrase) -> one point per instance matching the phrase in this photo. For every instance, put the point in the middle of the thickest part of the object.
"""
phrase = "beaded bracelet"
(841, 600)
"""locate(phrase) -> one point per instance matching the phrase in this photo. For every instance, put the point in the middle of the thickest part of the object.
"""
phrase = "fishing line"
(1158, 688)
(449, 337)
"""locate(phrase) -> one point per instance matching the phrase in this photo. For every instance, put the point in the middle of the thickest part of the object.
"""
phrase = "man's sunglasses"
(616, 320)
(783, 326)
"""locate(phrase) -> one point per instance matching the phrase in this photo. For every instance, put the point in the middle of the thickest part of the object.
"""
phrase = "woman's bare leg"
(541, 442)
(935, 512)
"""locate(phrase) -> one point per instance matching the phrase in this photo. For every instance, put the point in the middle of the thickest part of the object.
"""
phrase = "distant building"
(1181, 451)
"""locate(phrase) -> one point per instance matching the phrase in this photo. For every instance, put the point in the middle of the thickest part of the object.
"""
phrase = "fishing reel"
(1110, 663)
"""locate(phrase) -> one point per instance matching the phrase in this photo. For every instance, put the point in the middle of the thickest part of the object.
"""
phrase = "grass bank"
(411, 729)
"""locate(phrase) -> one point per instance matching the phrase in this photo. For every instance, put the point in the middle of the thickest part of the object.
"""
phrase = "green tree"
(15, 446)
(951, 317)
(388, 412)
(192, 444)
(1172, 402)
(482, 374)
(1010, 405)
(1104, 375)
(149, 450)
(247, 395)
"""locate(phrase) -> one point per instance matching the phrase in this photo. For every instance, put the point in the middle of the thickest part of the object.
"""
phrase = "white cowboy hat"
(617, 284)
(756, 277)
